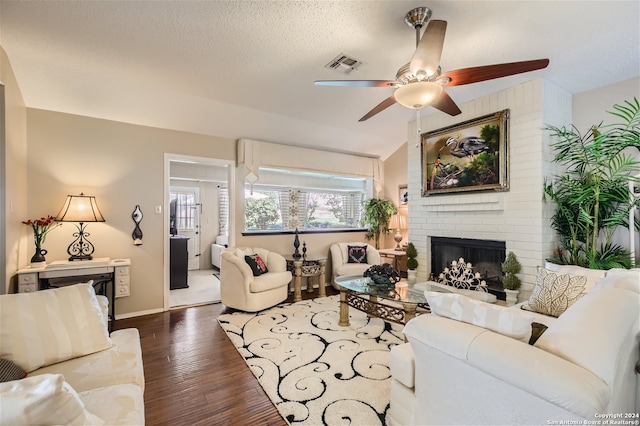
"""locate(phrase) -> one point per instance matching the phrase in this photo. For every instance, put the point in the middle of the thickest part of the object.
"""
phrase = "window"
(185, 209)
(316, 202)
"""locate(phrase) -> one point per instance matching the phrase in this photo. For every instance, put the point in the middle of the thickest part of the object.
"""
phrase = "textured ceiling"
(246, 68)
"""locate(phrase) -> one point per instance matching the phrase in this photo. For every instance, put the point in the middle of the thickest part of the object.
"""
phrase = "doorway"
(198, 210)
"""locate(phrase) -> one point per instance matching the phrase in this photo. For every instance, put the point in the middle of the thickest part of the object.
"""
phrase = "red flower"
(41, 228)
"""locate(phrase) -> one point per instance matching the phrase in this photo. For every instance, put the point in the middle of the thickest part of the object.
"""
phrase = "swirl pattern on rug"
(313, 370)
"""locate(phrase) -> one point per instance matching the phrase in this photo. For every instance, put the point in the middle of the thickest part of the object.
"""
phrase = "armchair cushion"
(52, 326)
(257, 265)
(509, 322)
(554, 293)
(357, 254)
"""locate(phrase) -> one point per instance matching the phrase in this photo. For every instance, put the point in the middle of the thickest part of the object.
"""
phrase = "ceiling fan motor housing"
(417, 17)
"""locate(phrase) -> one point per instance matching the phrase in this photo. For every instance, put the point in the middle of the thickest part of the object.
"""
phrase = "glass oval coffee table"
(398, 305)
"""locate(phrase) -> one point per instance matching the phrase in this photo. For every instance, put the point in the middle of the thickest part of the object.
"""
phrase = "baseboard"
(139, 313)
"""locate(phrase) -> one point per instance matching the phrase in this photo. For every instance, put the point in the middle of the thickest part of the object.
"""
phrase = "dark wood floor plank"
(193, 373)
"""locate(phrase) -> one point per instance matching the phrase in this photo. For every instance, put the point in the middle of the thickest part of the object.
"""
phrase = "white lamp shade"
(398, 221)
(80, 208)
(418, 94)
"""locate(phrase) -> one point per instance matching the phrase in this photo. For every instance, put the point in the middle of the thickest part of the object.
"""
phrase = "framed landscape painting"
(469, 156)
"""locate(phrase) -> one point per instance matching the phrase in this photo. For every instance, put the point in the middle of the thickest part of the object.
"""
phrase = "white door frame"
(231, 179)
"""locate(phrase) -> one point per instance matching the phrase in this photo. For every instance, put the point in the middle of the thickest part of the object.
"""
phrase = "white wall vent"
(343, 64)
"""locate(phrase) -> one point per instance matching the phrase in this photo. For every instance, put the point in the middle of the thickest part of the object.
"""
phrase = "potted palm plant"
(376, 218)
(593, 198)
(412, 262)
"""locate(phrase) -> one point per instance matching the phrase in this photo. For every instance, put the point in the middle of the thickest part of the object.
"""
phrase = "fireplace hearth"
(486, 256)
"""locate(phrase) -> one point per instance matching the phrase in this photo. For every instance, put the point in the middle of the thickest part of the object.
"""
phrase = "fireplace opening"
(486, 256)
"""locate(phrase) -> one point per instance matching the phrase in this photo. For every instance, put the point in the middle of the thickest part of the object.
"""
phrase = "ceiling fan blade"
(380, 107)
(428, 52)
(357, 83)
(445, 104)
(490, 72)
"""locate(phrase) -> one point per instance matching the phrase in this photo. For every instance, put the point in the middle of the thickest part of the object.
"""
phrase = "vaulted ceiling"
(246, 68)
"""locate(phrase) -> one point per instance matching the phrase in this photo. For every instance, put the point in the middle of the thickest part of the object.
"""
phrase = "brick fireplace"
(518, 216)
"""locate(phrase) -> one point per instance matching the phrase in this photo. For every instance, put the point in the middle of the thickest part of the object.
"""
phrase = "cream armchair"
(240, 289)
(340, 260)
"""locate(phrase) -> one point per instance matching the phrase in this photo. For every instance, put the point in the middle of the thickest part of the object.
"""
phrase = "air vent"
(343, 64)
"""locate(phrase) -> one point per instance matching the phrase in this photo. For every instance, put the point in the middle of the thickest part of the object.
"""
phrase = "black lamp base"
(80, 257)
(80, 248)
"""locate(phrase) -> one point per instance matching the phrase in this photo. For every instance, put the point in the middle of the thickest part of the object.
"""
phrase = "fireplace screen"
(486, 256)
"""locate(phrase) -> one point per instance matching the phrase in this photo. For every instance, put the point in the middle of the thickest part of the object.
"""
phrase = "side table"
(309, 266)
(395, 258)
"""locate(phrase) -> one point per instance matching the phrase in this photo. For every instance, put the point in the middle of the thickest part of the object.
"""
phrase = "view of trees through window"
(269, 209)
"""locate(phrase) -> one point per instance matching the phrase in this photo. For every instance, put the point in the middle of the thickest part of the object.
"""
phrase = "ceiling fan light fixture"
(418, 94)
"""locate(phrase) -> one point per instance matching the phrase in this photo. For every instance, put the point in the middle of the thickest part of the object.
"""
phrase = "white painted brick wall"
(519, 216)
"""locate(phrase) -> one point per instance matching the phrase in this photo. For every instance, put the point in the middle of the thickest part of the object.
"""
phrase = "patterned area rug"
(314, 371)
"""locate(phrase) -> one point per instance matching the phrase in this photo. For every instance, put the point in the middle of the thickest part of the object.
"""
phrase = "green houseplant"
(412, 262)
(510, 281)
(376, 218)
(593, 198)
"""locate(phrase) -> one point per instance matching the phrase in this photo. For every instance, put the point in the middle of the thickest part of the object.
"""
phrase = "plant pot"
(38, 260)
(512, 296)
(411, 275)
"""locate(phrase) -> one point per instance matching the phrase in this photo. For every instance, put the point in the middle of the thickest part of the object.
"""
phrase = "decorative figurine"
(296, 244)
(304, 250)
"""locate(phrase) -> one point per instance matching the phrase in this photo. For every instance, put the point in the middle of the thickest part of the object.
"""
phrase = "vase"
(411, 275)
(38, 260)
(512, 296)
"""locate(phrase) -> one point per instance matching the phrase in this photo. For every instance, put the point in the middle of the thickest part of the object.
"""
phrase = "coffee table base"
(373, 308)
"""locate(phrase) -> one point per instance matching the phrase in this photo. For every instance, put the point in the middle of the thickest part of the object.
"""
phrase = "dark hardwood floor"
(193, 373)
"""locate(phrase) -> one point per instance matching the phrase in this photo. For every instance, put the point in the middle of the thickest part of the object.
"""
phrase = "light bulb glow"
(418, 94)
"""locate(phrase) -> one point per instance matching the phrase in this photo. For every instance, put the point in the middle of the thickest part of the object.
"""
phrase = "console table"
(309, 266)
(103, 272)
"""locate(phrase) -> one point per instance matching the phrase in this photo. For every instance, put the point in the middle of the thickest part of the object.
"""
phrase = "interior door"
(188, 211)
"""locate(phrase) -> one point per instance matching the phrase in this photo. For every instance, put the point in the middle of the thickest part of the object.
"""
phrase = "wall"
(123, 165)
(13, 188)
(395, 174)
(519, 217)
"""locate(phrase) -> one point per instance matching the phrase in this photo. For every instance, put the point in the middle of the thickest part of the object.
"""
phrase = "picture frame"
(468, 156)
(403, 195)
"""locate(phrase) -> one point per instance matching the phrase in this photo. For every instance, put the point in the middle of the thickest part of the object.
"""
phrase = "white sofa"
(581, 368)
(82, 374)
(340, 260)
(240, 289)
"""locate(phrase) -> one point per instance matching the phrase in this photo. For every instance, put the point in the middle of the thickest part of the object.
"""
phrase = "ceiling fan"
(420, 82)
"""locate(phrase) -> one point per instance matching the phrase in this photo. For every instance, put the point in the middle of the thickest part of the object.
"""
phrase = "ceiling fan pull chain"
(418, 120)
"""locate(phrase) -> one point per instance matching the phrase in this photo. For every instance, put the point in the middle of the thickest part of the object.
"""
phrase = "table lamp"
(80, 208)
(398, 222)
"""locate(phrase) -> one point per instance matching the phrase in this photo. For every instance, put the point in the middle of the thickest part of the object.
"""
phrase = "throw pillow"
(554, 293)
(10, 371)
(50, 326)
(357, 254)
(509, 322)
(257, 265)
(44, 399)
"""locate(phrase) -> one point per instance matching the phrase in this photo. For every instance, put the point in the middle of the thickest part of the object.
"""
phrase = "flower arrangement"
(41, 227)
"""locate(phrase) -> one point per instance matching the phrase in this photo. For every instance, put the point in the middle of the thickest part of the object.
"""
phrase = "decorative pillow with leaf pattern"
(554, 293)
